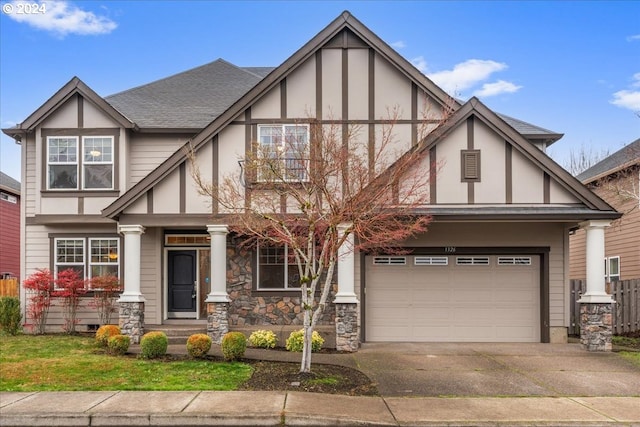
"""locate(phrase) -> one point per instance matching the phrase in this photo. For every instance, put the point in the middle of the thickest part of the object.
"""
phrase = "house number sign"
(449, 249)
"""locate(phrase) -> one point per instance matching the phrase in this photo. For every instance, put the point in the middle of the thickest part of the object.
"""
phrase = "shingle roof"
(527, 129)
(629, 154)
(6, 182)
(191, 99)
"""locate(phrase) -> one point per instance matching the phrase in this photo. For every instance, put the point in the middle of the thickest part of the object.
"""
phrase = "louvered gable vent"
(470, 165)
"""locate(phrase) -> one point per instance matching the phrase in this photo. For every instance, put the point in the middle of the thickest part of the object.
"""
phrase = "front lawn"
(61, 362)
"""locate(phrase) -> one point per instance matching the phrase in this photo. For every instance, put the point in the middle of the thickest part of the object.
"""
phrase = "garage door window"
(431, 260)
(389, 260)
(472, 260)
(510, 260)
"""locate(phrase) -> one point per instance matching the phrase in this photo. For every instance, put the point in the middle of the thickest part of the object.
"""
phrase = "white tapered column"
(346, 266)
(132, 237)
(218, 291)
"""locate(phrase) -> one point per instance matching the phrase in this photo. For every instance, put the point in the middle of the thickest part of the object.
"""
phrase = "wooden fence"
(9, 288)
(626, 310)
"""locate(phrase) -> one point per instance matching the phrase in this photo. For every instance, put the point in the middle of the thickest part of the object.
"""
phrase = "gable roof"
(474, 107)
(623, 158)
(530, 131)
(74, 87)
(190, 99)
(9, 184)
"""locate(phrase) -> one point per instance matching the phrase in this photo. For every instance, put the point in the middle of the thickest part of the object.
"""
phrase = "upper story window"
(68, 170)
(283, 153)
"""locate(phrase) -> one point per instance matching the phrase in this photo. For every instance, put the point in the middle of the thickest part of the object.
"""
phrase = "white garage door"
(453, 298)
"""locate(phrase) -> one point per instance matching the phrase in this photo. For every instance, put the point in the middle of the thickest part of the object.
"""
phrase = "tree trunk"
(305, 366)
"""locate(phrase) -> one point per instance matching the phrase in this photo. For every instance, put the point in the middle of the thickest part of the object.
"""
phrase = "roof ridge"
(221, 60)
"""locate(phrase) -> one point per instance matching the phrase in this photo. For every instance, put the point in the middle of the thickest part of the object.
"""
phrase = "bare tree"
(312, 185)
(583, 158)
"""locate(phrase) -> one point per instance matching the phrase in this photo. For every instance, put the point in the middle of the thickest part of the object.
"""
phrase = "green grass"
(60, 362)
(325, 380)
(634, 357)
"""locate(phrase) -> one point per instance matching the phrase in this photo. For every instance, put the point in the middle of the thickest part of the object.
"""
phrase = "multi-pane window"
(277, 268)
(283, 153)
(69, 255)
(104, 257)
(64, 163)
(62, 160)
(98, 162)
(90, 257)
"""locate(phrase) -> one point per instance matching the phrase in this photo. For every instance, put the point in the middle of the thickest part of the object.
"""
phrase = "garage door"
(453, 298)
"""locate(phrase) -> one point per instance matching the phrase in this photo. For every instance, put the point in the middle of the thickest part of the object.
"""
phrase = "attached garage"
(452, 298)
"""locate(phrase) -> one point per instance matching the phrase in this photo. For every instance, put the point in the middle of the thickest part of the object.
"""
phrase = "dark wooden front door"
(182, 282)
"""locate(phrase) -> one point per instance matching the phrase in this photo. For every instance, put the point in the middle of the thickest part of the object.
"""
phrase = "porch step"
(178, 334)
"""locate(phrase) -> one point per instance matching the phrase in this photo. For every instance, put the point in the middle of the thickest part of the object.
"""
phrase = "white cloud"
(399, 44)
(61, 18)
(466, 74)
(633, 38)
(420, 63)
(497, 88)
(629, 99)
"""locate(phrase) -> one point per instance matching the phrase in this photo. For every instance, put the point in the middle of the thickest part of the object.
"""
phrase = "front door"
(182, 284)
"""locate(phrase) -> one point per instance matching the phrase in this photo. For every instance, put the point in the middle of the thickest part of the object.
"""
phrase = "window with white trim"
(8, 198)
(276, 269)
(612, 268)
(90, 257)
(283, 153)
(64, 163)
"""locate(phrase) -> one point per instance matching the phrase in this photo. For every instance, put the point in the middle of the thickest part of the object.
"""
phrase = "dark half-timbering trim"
(183, 188)
(283, 98)
(433, 176)
(508, 176)
(80, 111)
(414, 113)
(318, 57)
(150, 201)
(215, 171)
(80, 205)
(67, 219)
(546, 188)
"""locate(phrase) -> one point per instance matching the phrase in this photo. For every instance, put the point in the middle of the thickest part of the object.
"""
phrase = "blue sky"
(571, 67)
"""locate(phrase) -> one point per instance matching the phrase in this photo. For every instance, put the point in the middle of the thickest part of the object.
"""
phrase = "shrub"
(153, 344)
(118, 344)
(105, 288)
(295, 342)
(198, 345)
(233, 345)
(105, 332)
(39, 285)
(10, 315)
(71, 288)
(263, 339)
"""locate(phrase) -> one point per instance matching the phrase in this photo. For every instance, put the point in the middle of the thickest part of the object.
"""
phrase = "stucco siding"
(146, 152)
(527, 181)
(166, 194)
(332, 84)
(392, 90)
(268, 106)
(358, 90)
(66, 116)
(450, 188)
(95, 118)
(491, 188)
(557, 194)
(196, 203)
(301, 90)
(94, 205)
(59, 205)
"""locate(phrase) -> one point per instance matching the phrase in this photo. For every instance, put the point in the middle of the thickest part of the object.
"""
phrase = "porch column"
(131, 301)
(346, 301)
(218, 299)
(596, 324)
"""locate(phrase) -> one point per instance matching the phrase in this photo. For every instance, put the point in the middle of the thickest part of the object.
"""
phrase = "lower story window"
(612, 268)
(277, 268)
(90, 257)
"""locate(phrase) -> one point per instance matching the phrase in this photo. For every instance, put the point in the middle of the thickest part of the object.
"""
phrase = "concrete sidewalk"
(232, 408)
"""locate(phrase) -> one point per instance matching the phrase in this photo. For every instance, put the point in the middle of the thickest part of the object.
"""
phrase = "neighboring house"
(9, 227)
(108, 190)
(615, 179)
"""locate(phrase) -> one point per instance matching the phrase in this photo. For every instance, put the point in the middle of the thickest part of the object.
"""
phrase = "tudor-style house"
(107, 189)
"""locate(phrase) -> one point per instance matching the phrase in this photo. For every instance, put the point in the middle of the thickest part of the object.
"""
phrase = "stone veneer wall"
(247, 309)
(596, 326)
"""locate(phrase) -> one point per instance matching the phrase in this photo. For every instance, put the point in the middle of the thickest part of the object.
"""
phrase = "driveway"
(490, 369)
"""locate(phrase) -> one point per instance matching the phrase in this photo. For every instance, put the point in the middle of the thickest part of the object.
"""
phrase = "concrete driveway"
(490, 369)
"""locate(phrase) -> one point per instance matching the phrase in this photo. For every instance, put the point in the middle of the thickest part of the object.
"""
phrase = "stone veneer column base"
(217, 320)
(596, 326)
(347, 332)
(131, 320)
